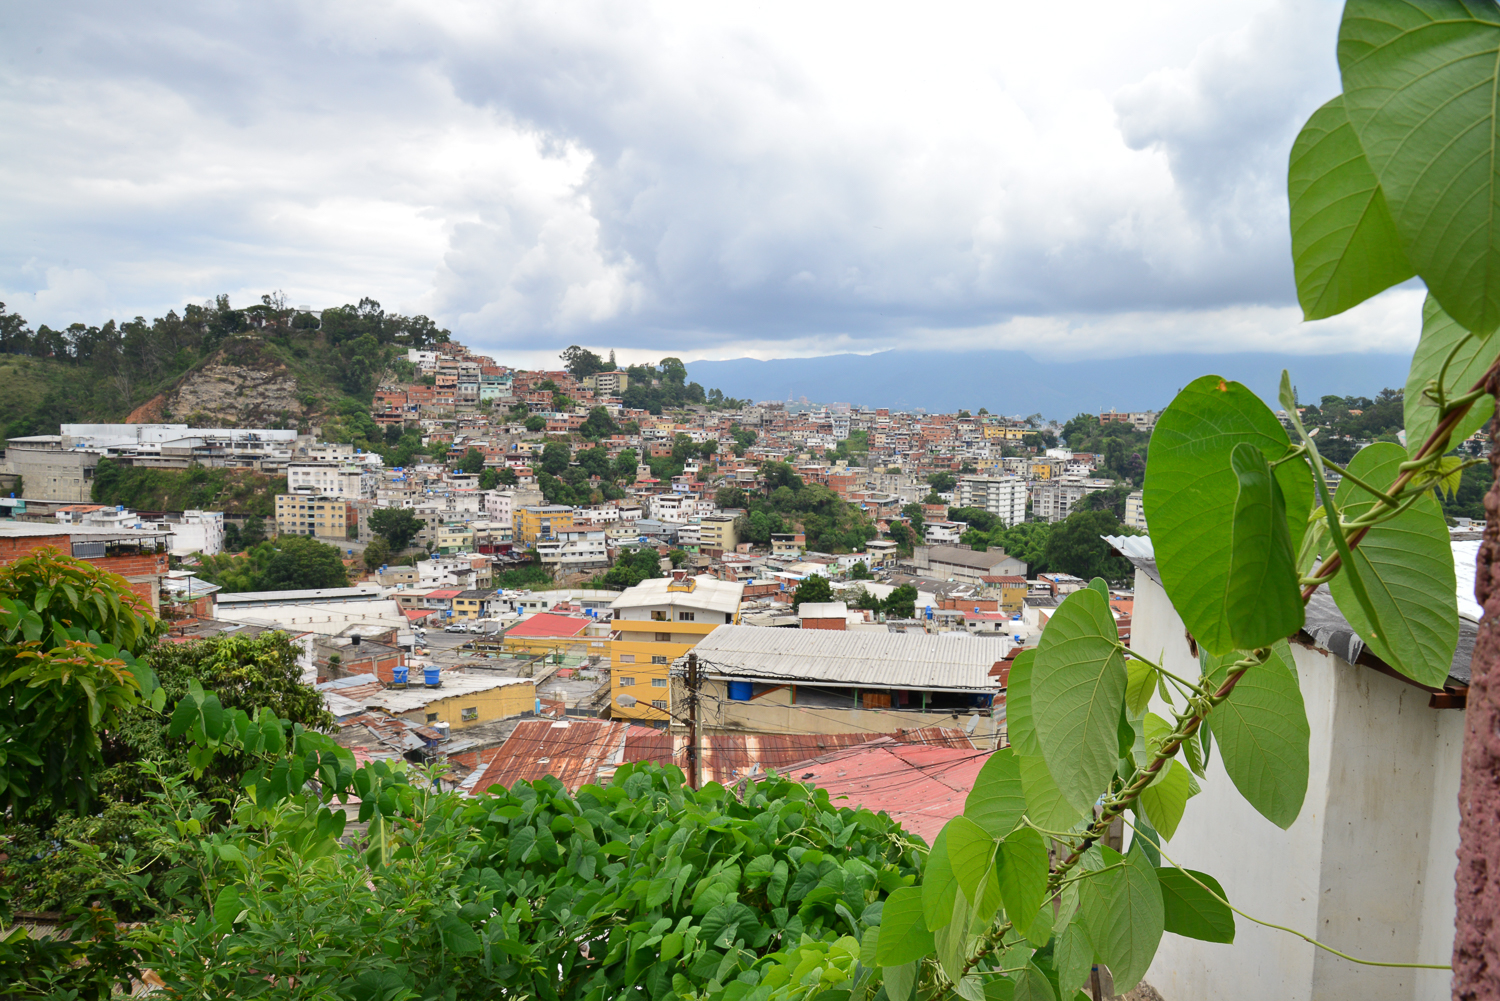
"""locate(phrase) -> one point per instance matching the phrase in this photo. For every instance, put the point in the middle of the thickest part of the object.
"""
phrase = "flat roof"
(295, 597)
(400, 700)
(21, 530)
(708, 593)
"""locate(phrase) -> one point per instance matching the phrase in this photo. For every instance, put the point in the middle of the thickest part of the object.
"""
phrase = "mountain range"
(1013, 382)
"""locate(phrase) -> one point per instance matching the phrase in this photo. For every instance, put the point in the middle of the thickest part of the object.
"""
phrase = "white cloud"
(677, 178)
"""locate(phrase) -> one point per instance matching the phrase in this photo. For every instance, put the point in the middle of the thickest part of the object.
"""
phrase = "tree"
(1075, 546)
(555, 457)
(731, 497)
(377, 554)
(581, 362)
(302, 563)
(472, 461)
(598, 424)
(814, 589)
(942, 482)
(859, 571)
(901, 603)
(508, 477)
(625, 464)
(536, 423)
(632, 567)
(489, 478)
(398, 525)
(254, 532)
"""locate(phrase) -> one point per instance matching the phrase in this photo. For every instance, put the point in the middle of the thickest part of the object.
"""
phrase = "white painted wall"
(1368, 866)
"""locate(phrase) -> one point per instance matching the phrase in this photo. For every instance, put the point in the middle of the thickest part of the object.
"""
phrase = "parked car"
(455, 627)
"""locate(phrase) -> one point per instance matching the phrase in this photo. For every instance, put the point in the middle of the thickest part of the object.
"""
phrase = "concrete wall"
(776, 712)
(1368, 866)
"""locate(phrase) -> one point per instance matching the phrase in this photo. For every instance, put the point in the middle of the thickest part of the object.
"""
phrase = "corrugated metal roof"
(579, 751)
(1132, 546)
(548, 624)
(941, 662)
(920, 787)
(708, 593)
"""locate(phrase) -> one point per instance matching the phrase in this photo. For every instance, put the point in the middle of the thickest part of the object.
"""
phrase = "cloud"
(676, 178)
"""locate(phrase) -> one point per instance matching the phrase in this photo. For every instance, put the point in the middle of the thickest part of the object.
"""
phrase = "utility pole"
(692, 751)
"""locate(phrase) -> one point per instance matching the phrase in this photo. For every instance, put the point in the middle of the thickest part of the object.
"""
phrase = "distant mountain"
(1012, 382)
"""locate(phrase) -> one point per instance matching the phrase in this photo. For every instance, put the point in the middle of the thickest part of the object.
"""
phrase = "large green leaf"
(903, 928)
(1122, 911)
(1262, 733)
(1073, 958)
(1077, 690)
(1023, 876)
(939, 886)
(1420, 89)
(1261, 597)
(998, 800)
(1190, 495)
(1440, 336)
(1032, 985)
(1164, 799)
(1020, 728)
(970, 850)
(1045, 803)
(1191, 910)
(1344, 243)
(1407, 568)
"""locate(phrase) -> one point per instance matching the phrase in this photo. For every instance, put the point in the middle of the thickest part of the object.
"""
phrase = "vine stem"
(1290, 931)
(1436, 444)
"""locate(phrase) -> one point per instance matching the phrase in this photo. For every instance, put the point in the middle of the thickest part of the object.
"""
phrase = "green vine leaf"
(1023, 877)
(970, 850)
(1344, 243)
(1261, 599)
(1045, 803)
(1121, 908)
(1192, 911)
(1191, 491)
(1165, 799)
(904, 937)
(1440, 336)
(1032, 985)
(1406, 564)
(1262, 732)
(939, 886)
(1077, 693)
(1419, 87)
(1019, 725)
(998, 800)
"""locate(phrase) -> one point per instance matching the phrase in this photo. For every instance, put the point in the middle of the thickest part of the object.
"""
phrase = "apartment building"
(653, 624)
(573, 551)
(332, 479)
(1135, 510)
(1002, 496)
(607, 383)
(319, 516)
(541, 521)
(1053, 500)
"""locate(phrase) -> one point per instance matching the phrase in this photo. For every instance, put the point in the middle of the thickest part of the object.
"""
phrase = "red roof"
(545, 624)
(418, 613)
(922, 787)
(1003, 579)
(447, 592)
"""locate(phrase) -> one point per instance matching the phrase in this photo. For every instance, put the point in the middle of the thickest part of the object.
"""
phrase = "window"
(658, 659)
(626, 682)
(662, 638)
(659, 616)
(685, 616)
(658, 704)
(729, 617)
(470, 713)
(658, 682)
(432, 717)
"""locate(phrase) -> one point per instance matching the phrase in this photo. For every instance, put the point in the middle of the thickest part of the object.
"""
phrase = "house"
(654, 623)
(822, 681)
(556, 632)
(470, 604)
(823, 615)
(460, 700)
(788, 544)
(960, 563)
(1368, 865)
(138, 555)
(322, 516)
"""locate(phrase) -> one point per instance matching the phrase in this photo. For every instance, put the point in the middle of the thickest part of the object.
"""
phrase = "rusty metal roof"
(579, 751)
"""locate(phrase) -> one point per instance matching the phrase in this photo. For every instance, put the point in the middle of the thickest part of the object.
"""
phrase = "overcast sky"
(704, 180)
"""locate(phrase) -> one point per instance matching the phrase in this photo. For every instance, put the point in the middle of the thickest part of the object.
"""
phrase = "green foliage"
(1262, 733)
(397, 525)
(289, 563)
(472, 461)
(1076, 546)
(1444, 344)
(70, 635)
(237, 491)
(529, 575)
(632, 567)
(536, 423)
(860, 572)
(830, 524)
(901, 603)
(814, 589)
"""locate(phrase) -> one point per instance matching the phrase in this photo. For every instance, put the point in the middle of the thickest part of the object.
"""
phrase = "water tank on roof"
(432, 676)
(400, 676)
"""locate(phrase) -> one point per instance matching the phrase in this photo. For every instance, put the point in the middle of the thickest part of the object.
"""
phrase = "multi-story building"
(653, 624)
(541, 521)
(1002, 496)
(331, 479)
(607, 383)
(309, 514)
(455, 538)
(788, 544)
(1054, 499)
(573, 551)
(718, 532)
(1135, 510)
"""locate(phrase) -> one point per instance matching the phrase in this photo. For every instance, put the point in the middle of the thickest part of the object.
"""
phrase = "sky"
(709, 181)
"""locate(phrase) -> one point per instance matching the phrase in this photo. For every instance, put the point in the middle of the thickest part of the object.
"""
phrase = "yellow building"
(453, 538)
(717, 532)
(463, 699)
(547, 633)
(656, 622)
(543, 521)
(308, 514)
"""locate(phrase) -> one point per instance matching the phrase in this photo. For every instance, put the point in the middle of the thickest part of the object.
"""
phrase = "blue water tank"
(432, 676)
(399, 675)
(741, 691)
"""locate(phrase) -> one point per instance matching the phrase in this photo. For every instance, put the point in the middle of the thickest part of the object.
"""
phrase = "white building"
(574, 551)
(1368, 865)
(332, 479)
(1002, 496)
(674, 509)
(1053, 500)
(1135, 511)
(943, 533)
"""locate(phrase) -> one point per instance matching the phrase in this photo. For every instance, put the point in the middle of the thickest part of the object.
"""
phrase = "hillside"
(233, 491)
